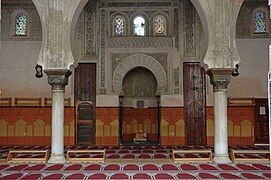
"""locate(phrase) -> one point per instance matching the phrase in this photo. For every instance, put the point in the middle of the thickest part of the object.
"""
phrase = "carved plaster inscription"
(189, 28)
(140, 42)
(90, 33)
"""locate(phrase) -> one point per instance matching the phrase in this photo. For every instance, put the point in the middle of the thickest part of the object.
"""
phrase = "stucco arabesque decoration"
(140, 60)
(220, 17)
(56, 18)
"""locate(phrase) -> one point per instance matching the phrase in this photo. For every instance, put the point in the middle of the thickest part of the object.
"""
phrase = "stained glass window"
(20, 25)
(260, 22)
(119, 26)
(159, 25)
(139, 26)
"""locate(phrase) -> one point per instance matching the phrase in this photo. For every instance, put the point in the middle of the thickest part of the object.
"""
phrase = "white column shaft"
(221, 126)
(57, 122)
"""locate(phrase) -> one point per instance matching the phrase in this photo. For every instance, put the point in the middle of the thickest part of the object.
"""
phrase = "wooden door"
(261, 130)
(85, 103)
(194, 104)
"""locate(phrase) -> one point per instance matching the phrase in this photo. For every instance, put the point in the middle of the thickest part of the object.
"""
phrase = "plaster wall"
(253, 69)
(18, 60)
(17, 71)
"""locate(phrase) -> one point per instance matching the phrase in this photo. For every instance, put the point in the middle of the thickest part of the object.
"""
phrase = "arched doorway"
(139, 108)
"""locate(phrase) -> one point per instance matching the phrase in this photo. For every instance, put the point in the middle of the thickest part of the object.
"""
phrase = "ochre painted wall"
(107, 126)
(32, 125)
(139, 120)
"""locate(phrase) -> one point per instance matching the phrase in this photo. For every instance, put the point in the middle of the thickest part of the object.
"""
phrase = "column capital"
(220, 78)
(58, 79)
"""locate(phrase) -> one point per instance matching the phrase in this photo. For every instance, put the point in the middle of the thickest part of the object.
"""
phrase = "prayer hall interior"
(126, 73)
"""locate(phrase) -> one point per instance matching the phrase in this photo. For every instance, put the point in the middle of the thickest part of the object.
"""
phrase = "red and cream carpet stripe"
(135, 171)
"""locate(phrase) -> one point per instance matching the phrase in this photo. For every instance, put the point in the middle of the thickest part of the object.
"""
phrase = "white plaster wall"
(17, 71)
(18, 60)
(253, 69)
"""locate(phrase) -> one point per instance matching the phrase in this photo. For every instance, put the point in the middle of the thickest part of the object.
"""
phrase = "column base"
(57, 159)
(221, 159)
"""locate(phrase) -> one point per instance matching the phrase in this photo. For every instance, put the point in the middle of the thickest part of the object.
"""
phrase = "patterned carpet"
(135, 171)
(118, 165)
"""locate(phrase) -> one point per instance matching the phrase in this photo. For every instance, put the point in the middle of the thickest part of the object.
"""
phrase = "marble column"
(220, 78)
(58, 79)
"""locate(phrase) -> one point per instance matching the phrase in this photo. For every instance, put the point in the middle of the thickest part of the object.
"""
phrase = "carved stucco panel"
(221, 18)
(139, 60)
(56, 18)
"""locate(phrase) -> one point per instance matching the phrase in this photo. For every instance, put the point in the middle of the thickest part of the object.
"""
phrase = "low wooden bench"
(70, 159)
(189, 159)
(14, 156)
(234, 152)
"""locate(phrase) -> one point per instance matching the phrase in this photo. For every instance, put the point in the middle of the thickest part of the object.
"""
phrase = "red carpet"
(134, 170)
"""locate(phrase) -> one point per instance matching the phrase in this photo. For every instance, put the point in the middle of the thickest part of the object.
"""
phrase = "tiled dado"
(240, 126)
(107, 126)
(32, 125)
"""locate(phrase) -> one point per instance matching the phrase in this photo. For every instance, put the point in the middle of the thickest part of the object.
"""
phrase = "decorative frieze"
(176, 27)
(176, 80)
(189, 28)
(138, 4)
(140, 42)
(103, 40)
(90, 33)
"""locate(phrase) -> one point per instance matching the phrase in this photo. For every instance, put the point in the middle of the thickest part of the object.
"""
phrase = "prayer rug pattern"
(135, 171)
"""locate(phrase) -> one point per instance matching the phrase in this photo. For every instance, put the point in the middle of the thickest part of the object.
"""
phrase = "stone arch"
(140, 60)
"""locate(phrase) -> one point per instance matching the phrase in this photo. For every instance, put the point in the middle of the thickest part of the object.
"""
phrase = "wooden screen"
(194, 104)
(85, 103)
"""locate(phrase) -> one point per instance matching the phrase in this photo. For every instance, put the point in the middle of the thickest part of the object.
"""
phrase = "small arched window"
(20, 25)
(159, 25)
(260, 22)
(139, 26)
(119, 28)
